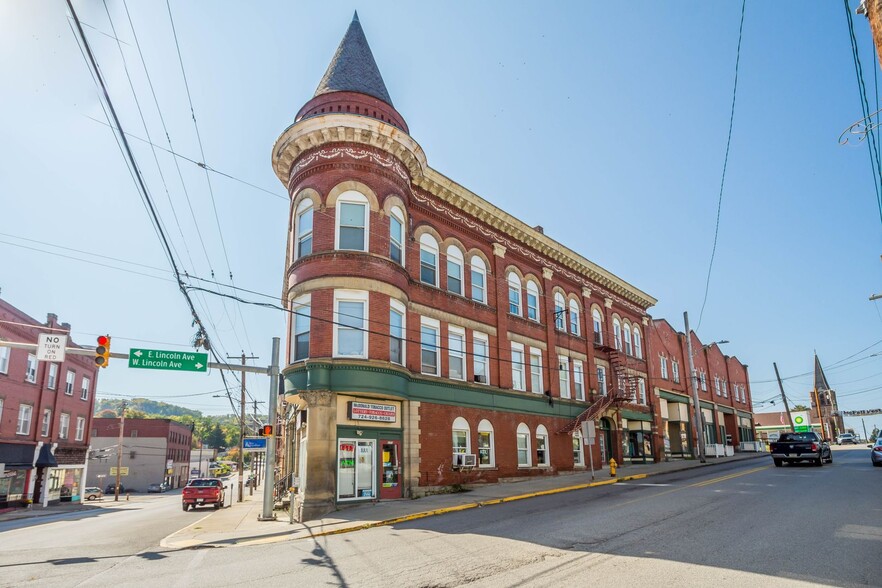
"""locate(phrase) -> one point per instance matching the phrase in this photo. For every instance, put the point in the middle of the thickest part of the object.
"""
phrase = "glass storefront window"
(356, 477)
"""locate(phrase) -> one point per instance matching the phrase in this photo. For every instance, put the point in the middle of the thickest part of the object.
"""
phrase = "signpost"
(254, 444)
(158, 359)
(50, 347)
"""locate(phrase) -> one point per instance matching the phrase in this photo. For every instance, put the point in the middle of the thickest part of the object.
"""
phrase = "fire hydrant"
(612, 467)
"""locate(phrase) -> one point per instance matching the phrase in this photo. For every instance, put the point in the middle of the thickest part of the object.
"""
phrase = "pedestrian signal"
(267, 430)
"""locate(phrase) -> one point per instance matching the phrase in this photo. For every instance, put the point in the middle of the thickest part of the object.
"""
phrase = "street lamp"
(696, 409)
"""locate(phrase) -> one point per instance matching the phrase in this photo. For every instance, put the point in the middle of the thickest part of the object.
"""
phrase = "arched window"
(514, 294)
(617, 334)
(303, 229)
(486, 449)
(638, 344)
(428, 259)
(396, 235)
(454, 270)
(574, 318)
(532, 300)
(598, 326)
(578, 453)
(543, 459)
(628, 339)
(523, 444)
(352, 221)
(560, 309)
(479, 279)
(461, 437)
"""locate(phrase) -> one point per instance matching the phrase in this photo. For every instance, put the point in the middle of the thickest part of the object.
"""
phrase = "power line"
(725, 165)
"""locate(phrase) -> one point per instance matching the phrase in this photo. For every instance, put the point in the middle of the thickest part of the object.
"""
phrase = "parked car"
(846, 439)
(163, 487)
(792, 447)
(92, 493)
(199, 491)
(876, 453)
(110, 487)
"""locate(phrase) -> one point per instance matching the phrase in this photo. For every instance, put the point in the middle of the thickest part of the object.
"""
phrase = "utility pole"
(696, 417)
(269, 478)
(119, 449)
(820, 417)
(784, 398)
(867, 437)
(241, 465)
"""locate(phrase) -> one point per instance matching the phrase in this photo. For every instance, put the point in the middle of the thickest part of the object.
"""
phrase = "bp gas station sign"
(801, 423)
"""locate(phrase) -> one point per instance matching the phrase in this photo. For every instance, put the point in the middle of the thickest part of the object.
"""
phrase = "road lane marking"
(727, 477)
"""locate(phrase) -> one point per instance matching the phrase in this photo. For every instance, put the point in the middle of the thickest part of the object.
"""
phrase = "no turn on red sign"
(50, 347)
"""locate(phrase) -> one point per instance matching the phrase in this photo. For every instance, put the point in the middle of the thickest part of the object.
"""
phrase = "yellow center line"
(697, 485)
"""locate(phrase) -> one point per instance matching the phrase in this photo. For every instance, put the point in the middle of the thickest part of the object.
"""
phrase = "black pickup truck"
(791, 447)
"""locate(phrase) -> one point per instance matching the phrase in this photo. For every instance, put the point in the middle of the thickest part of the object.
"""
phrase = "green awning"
(672, 397)
(726, 409)
(743, 414)
(708, 405)
(633, 415)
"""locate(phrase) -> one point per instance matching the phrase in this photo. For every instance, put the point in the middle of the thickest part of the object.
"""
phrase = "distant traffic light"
(267, 430)
(102, 351)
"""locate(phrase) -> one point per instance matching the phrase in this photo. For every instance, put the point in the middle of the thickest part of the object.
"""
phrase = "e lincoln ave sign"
(158, 359)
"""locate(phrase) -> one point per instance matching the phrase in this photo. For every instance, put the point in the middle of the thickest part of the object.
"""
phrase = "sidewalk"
(238, 525)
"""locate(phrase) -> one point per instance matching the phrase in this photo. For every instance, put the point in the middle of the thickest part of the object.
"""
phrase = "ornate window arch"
(486, 445)
(397, 235)
(303, 227)
(462, 442)
(560, 309)
(479, 279)
(514, 293)
(532, 301)
(638, 342)
(617, 333)
(523, 445)
(627, 337)
(352, 221)
(574, 318)
(455, 264)
(543, 451)
(597, 321)
(428, 259)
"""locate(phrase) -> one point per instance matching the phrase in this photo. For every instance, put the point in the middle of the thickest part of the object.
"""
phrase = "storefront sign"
(364, 411)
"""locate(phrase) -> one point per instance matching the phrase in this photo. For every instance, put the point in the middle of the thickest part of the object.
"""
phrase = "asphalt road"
(742, 524)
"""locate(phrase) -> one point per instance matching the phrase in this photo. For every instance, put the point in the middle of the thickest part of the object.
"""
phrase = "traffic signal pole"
(269, 477)
(241, 468)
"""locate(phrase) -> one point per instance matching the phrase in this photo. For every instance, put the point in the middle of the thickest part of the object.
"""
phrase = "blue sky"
(604, 123)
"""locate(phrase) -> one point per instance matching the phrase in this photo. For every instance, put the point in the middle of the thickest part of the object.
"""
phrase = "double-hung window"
(517, 367)
(69, 382)
(638, 345)
(53, 376)
(4, 360)
(564, 374)
(350, 319)
(81, 429)
(574, 318)
(560, 310)
(63, 425)
(461, 436)
(486, 457)
(47, 422)
(675, 370)
(304, 228)
(617, 334)
(456, 353)
(641, 391)
(597, 319)
(536, 370)
(352, 221)
(84, 388)
(429, 335)
(663, 362)
(396, 332)
(31, 374)
(725, 389)
(479, 278)
(532, 301)
(428, 260)
(514, 294)
(703, 377)
(601, 380)
(578, 452)
(542, 457)
(480, 358)
(454, 270)
(578, 380)
(523, 445)
(300, 326)
(23, 427)
(396, 235)
(628, 350)
(717, 385)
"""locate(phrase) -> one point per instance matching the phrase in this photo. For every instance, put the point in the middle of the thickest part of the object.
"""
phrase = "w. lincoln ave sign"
(157, 359)
(365, 411)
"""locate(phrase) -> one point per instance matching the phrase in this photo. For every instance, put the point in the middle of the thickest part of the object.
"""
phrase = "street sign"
(123, 471)
(588, 431)
(800, 423)
(158, 359)
(254, 444)
(50, 347)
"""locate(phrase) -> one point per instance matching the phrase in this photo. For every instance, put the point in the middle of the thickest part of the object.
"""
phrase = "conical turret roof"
(353, 68)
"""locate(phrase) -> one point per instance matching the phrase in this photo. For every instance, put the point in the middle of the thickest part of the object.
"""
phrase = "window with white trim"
(84, 388)
(536, 370)
(628, 349)
(4, 360)
(717, 385)
(479, 279)
(703, 377)
(63, 425)
(429, 333)
(303, 228)
(532, 300)
(456, 353)
(461, 436)
(350, 320)
(81, 429)
(486, 449)
(31, 373)
(523, 445)
(47, 422)
(543, 459)
(352, 222)
(725, 389)
(597, 319)
(397, 326)
(601, 380)
(578, 450)
(428, 260)
(23, 427)
(52, 381)
(675, 370)
(517, 367)
(560, 310)
(564, 375)
(454, 270)
(514, 294)
(301, 320)
(69, 382)
(574, 318)
(578, 380)
(641, 391)
(663, 362)
(617, 333)
(638, 343)
(480, 358)
(396, 235)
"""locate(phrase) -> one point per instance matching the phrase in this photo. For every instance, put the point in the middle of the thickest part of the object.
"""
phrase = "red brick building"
(45, 414)
(434, 339)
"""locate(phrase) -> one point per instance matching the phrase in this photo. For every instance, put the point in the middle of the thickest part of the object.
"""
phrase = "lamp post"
(693, 378)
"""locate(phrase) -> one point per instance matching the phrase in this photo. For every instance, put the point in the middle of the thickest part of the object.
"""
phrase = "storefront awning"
(633, 415)
(672, 397)
(725, 409)
(46, 459)
(17, 456)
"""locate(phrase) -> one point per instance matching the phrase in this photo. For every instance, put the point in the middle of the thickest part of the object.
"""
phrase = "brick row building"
(435, 339)
(45, 415)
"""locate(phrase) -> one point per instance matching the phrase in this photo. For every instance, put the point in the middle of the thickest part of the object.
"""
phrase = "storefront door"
(390, 472)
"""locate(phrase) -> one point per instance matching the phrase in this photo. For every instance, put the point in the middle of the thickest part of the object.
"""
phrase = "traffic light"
(102, 351)
(267, 430)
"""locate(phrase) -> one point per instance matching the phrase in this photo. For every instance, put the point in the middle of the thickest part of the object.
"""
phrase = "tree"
(216, 437)
(874, 435)
(107, 413)
(799, 408)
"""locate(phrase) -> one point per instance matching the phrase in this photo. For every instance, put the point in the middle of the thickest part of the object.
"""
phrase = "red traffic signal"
(267, 430)
(102, 351)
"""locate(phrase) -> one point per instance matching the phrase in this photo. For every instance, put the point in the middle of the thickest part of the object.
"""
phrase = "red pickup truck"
(199, 491)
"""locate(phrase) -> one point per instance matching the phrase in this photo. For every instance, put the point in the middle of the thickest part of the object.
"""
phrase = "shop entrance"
(355, 469)
(390, 473)
(605, 439)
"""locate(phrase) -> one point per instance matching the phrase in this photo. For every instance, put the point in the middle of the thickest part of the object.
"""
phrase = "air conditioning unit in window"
(480, 379)
(464, 460)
